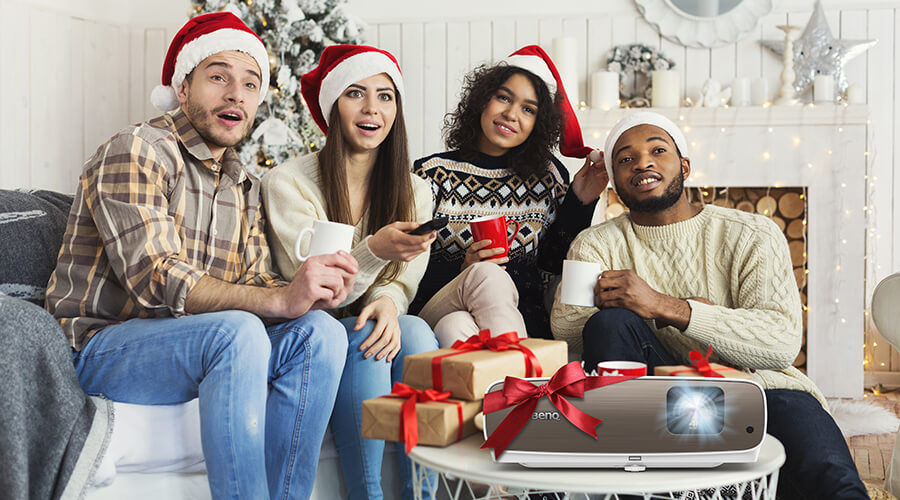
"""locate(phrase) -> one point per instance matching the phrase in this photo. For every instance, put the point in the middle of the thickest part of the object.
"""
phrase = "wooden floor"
(872, 452)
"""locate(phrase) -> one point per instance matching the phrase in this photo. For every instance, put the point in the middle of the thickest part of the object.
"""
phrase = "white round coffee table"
(464, 470)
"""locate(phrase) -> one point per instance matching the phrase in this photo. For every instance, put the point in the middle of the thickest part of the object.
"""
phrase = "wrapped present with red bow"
(418, 417)
(568, 383)
(467, 368)
(701, 367)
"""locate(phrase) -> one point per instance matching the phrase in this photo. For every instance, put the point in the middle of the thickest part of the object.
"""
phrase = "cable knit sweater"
(293, 199)
(739, 261)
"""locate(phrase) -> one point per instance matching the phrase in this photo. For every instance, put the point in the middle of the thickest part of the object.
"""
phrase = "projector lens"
(695, 410)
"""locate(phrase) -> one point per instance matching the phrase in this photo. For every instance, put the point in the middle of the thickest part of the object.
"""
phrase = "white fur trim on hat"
(164, 98)
(198, 49)
(633, 120)
(353, 69)
(535, 65)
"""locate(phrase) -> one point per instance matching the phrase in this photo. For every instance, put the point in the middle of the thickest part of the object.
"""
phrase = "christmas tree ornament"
(292, 13)
(275, 132)
(818, 52)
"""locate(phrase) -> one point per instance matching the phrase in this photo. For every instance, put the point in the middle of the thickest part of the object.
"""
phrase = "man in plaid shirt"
(164, 285)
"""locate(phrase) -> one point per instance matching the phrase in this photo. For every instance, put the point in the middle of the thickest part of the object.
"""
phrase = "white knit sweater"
(739, 261)
(294, 200)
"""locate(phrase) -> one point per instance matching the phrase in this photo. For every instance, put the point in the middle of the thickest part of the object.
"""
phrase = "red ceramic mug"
(496, 229)
(623, 368)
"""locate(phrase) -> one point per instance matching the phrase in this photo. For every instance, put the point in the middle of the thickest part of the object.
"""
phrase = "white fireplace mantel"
(822, 148)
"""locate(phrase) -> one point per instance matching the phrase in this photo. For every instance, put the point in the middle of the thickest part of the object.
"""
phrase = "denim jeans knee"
(242, 332)
(328, 340)
(417, 336)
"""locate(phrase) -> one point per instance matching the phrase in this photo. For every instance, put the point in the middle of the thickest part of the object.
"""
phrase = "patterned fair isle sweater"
(549, 218)
(739, 261)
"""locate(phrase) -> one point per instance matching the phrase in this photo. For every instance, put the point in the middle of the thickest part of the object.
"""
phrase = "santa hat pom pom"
(163, 98)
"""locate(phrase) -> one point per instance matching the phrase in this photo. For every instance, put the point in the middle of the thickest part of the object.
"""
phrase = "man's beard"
(657, 203)
(202, 122)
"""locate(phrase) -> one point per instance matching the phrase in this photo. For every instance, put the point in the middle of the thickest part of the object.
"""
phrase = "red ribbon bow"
(569, 381)
(409, 427)
(701, 364)
(483, 341)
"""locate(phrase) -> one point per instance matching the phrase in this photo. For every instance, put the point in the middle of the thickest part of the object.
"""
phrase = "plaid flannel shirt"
(153, 213)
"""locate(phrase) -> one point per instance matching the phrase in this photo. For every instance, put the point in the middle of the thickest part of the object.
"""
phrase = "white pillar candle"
(856, 94)
(565, 57)
(666, 89)
(740, 92)
(605, 90)
(760, 91)
(823, 88)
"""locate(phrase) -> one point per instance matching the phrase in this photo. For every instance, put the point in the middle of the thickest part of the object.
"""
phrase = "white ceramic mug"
(326, 237)
(578, 281)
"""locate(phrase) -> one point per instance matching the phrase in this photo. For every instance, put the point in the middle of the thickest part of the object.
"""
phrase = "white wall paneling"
(527, 33)
(15, 96)
(503, 38)
(412, 59)
(480, 43)
(435, 105)
(458, 44)
(74, 72)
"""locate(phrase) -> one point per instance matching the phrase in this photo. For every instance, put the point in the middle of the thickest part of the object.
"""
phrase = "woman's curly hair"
(462, 127)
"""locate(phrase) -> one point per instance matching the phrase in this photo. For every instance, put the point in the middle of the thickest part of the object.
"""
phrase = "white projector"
(647, 422)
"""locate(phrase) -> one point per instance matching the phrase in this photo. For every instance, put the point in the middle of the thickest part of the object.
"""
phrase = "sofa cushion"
(32, 224)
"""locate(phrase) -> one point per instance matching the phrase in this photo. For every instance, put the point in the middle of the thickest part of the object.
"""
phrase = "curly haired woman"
(502, 135)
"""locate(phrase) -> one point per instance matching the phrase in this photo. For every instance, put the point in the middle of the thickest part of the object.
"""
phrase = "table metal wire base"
(441, 486)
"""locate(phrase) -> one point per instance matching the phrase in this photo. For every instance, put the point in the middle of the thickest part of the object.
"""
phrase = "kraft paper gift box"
(691, 371)
(438, 421)
(468, 375)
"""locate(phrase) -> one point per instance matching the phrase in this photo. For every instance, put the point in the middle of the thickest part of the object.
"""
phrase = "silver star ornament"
(818, 52)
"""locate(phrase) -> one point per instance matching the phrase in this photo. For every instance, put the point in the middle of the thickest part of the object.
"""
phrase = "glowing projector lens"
(695, 410)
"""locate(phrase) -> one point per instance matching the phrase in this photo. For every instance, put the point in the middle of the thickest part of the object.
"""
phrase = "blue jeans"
(818, 464)
(265, 393)
(365, 379)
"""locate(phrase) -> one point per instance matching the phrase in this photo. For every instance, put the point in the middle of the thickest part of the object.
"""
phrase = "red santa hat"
(200, 38)
(533, 58)
(339, 66)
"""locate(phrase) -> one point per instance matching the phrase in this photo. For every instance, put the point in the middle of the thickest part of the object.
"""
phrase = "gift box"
(692, 371)
(467, 369)
(436, 423)
(701, 367)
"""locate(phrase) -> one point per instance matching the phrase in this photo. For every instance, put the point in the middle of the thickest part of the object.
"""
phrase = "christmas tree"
(295, 33)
